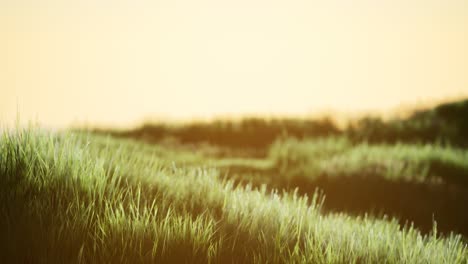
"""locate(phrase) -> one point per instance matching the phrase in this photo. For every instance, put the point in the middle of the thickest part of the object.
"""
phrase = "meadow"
(258, 191)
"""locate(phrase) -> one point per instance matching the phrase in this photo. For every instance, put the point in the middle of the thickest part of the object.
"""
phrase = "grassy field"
(82, 198)
(250, 191)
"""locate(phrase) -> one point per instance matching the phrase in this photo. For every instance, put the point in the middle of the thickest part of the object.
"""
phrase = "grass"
(74, 198)
(399, 162)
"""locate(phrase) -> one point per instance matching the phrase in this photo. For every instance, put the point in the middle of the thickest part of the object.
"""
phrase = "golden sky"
(118, 62)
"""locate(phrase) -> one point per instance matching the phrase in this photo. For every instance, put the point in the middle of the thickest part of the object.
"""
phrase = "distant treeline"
(446, 123)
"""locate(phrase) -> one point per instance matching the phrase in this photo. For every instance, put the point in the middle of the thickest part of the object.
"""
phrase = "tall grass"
(77, 199)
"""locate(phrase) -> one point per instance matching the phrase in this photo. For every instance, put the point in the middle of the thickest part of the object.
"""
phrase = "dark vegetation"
(446, 124)
(251, 134)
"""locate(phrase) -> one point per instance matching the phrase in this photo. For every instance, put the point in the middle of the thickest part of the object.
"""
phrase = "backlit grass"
(71, 198)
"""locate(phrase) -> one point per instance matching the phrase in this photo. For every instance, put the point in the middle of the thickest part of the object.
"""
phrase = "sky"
(117, 63)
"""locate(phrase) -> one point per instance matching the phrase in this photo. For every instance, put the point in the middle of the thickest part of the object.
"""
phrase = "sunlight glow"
(63, 62)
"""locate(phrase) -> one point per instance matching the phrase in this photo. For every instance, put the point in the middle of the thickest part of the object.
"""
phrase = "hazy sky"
(117, 62)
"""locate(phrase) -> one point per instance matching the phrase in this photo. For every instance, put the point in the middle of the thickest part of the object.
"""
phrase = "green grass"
(73, 198)
(334, 157)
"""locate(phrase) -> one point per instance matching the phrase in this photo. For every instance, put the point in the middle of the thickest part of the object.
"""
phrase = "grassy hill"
(79, 198)
(253, 191)
(413, 168)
